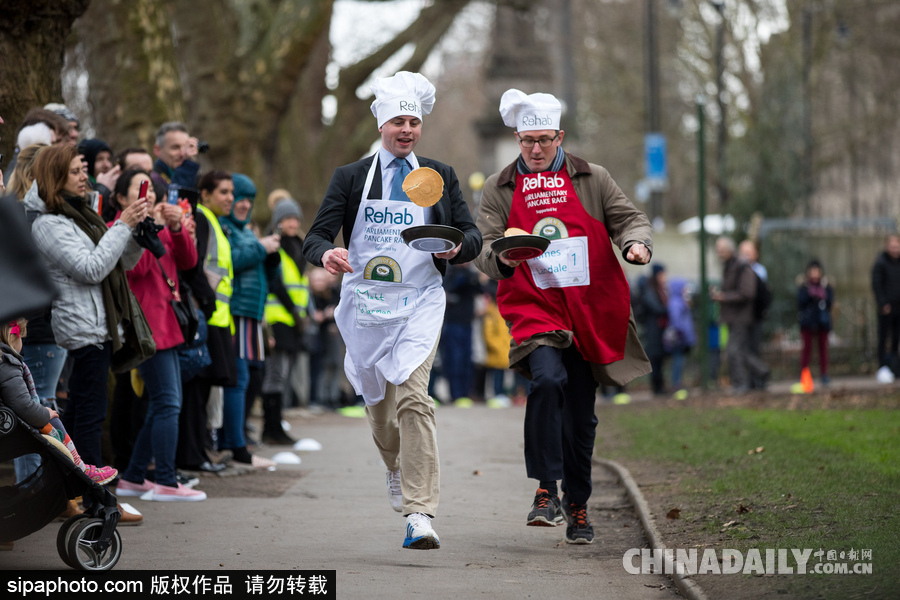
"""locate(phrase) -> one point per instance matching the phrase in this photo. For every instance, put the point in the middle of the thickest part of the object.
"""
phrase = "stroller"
(87, 541)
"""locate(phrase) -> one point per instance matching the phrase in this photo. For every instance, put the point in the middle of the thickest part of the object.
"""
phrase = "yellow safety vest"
(218, 265)
(297, 286)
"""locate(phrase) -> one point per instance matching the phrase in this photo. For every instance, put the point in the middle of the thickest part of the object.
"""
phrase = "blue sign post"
(656, 168)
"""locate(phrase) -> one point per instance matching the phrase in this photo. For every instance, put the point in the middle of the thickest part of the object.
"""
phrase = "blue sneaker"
(419, 534)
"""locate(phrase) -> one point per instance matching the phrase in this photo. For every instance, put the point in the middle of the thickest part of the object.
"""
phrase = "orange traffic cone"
(806, 381)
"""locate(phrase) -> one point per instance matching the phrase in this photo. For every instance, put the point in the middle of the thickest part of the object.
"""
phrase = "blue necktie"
(400, 174)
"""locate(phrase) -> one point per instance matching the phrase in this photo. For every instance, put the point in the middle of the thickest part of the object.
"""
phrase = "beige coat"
(604, 201)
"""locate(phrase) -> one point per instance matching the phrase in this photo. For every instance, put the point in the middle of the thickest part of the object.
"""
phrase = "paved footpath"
(337, 516)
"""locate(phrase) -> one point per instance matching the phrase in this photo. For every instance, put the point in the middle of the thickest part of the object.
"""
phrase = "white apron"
(392, 306)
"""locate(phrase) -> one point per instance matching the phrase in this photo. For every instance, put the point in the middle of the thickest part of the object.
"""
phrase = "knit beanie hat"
(284, 209)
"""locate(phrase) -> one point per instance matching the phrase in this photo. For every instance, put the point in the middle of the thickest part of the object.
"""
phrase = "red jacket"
(149, 286)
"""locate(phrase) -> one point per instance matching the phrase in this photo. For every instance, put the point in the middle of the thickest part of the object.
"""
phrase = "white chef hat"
(403, 94)
(530, 112)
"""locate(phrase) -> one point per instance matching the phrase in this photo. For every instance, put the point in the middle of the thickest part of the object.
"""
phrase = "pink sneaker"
(100, 475)
(164, 493)
(126, 488)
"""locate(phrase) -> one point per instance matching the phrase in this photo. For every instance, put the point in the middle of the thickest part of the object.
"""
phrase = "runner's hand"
(638, 253)
(336, 261)
(509, 263)
(449, 253)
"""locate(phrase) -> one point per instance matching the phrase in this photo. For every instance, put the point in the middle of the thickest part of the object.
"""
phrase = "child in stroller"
(86, 541)
(17, 392)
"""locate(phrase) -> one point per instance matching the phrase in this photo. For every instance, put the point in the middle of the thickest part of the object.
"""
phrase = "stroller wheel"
(83, 552)
(62, 538)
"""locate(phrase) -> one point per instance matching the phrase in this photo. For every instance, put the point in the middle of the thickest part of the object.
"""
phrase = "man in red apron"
(392, 300)
(569, 309)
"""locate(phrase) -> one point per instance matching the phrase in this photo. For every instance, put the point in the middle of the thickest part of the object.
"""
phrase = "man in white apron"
(569, 308)
(392, 303)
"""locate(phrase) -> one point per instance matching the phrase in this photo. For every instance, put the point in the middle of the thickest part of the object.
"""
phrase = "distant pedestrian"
(815, 297)
(886, 285)
(747, 251)
(679, 336)
(654, 301)
(736, 308)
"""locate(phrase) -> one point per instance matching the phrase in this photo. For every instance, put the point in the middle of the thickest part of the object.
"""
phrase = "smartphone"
(172, 196)
(1, 160)
(142, 193)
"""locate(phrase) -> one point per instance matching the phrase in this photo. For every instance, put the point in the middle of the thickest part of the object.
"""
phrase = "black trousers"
(560, 423)
(888, 329)
(86, 408)
(192, 431)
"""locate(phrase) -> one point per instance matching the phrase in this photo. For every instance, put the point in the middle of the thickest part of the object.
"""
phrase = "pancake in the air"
(424, 186)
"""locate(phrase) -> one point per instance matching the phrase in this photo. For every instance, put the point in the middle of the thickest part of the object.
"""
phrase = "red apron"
(577, 285)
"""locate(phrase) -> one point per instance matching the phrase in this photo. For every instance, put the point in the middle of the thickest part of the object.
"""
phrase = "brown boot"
(130, 517)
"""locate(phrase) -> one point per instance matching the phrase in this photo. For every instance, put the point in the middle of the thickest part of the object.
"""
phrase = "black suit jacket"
(341, 203)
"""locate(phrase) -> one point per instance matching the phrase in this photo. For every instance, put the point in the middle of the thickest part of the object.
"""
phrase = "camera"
(202, 147)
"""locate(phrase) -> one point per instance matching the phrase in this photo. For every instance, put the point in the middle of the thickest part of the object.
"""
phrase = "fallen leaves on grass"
(740, 508)
(757, 450)
(729, 524)
(675, 513)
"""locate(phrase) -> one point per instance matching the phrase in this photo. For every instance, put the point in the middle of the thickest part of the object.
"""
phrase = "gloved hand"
(146, 234)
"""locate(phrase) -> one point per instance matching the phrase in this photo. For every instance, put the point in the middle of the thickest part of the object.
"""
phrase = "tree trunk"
(32, 47)
(134, 83)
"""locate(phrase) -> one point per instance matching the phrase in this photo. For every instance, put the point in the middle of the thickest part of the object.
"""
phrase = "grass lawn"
(746, 477)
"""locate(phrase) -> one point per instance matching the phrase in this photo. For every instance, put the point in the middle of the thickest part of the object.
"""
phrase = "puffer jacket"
(15, 391)
(78, 267)
(250, 263)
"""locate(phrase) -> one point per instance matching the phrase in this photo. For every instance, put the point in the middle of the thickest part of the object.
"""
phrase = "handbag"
(137, 344)
(193, 355)
(183, 306)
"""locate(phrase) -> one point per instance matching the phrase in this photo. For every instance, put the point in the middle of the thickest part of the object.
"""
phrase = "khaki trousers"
(404, 430)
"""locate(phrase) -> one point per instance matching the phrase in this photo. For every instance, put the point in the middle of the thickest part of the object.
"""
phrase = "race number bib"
(380, 305)
(564, 264)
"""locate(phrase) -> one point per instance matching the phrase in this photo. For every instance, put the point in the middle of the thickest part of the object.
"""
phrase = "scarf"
(556, 165)
(116, 301)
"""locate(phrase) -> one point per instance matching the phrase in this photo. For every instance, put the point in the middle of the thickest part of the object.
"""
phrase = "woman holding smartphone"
(87, 262)
(158, 437)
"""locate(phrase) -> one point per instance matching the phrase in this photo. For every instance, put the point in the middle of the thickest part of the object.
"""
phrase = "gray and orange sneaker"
(545, 511)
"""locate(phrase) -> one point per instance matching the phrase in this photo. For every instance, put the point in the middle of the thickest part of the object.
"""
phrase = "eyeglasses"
(544, 142)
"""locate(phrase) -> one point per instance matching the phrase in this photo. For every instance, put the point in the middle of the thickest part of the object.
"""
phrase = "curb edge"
(688, 587)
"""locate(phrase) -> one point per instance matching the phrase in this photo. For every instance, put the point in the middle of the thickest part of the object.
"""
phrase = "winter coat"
(681, 321)
(604, 201)
(496, 337)
(15, 391)
(252, 266)
(78, 267)
(886, 280)
(738, 292)
(814, 305)
(657, 320)
(149, 286)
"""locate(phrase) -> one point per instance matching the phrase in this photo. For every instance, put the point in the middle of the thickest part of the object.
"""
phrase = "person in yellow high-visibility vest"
(211, 282)
(286, 315)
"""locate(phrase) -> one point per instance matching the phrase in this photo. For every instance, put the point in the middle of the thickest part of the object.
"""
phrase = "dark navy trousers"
(560, 423)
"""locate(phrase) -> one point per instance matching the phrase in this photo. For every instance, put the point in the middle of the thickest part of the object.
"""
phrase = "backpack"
(763, 299)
